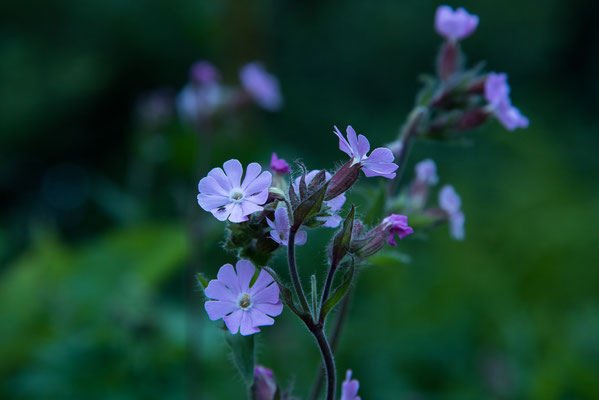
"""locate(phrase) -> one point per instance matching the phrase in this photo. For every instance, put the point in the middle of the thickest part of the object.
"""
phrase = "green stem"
(293, 271)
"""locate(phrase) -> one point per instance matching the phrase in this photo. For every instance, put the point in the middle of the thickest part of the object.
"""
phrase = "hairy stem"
(327, 358)
(327, 287)
(293, 271)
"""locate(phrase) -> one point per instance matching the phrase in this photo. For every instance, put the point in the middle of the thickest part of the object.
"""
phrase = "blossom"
(454, 25)
(451, 203)
(280, 229)
(426, 172)
(380, 161)
(204, 73)
(196, 103)
(243, 308)
(262, 86)
(349, 388)
(278, 165)
(265, 386)
(226, 197)
(398, 225)
(333, 204)
(497, 94)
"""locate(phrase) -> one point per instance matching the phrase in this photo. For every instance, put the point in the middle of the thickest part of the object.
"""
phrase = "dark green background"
(96, 293)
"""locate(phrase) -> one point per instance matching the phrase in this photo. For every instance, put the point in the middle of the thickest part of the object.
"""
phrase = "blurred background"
(98, 179)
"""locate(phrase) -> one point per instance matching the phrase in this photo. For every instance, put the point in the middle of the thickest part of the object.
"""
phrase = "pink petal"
(245, 272)
(258, 188)
(259, 318)
(237, 214)
(269, 294)
(226, 274)
(234, 170)
(219, 291)
(222, 213)
(301, 237)
(343, 144)
(210, 186)
(251, 173)
(218, 309)
(352, 138)
(210, 202)
(248, 327)
(270, 309)
(363, 145)
(336, 203)
(264, 279)
(233, 320)
(219, 175)
(247, 208)
(381, 154)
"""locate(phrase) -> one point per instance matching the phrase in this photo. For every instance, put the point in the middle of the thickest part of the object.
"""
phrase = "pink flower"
(454, 25)
(380, 161)
(349, 388)
(280, 229)
(278, 165)
(204, 73)
(226, 197)
(451, 203)
(497, 94)
(262, 86)
(426, 172)
(398, 225)
(243, 308)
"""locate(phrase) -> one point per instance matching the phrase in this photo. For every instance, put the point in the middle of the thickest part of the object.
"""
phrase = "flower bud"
(265, 386)
(449, 60)
(342, 180)
(385, 232)
(472, 119)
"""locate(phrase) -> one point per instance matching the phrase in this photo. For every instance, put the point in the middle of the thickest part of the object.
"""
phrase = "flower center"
(236, 196)
(245, 301)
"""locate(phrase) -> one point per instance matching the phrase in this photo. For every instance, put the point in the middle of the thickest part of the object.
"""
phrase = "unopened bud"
(472, 119)
(265, 386)
(342, 180)
(449, 59)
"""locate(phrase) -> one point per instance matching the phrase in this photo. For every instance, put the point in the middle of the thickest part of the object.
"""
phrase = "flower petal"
(222, 213)
(259, 318)
(257, 190)
(245, 273)
(251, 173)
(301, 237)
(210, 202)
(209, 185)
(336, 203)
(237, 214)
(270, 309)
(248, 327)
(363, 145)
(234, 170)
(233, 321)
(226, 274)
(269, 294)
(247, 208)
(219, 175)
(281, 220)
(352, 138)
(264, 279)
(343, 143)
(380, 154)
(331, 222)
(218, 309)
(219, 291)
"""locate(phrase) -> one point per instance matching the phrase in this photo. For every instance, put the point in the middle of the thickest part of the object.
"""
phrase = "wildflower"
(262, 86)
(349, 388)
(204, 73)
(280, 229)
(375, 239)
(454, 25)
(226, 197)
(497, 93)
(380, 161)
(451, 203)
(426, 172)
(398, 226)
(278, 165)
(243, 308)
(198, 103)
(265, 386)
(333, 204)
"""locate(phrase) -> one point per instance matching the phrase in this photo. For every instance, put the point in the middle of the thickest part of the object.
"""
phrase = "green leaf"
(285, 292)
(309, 206)
(242, 350)
(342, 239)
(203, 282)
(338, 294)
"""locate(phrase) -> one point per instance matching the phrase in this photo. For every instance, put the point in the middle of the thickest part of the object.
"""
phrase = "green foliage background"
(97, 298)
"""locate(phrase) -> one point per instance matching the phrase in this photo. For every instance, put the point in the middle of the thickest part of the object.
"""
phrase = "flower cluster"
(205, 96)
